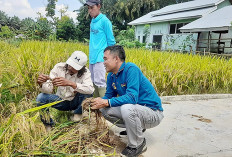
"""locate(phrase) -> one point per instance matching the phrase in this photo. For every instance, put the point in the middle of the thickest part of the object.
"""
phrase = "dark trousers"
(66, 105)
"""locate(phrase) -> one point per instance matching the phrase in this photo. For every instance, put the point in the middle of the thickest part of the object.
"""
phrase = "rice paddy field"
(22, 133)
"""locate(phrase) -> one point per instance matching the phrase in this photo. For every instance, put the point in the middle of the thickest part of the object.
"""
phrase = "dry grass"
(25, 135)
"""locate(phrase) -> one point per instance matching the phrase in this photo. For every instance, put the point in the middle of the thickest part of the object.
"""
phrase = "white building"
(165, 24)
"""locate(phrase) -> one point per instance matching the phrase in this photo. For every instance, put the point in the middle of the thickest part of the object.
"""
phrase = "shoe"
(134, 152)
(124, 133)
(76, 117)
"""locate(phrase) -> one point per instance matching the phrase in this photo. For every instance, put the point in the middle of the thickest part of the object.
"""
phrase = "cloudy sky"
(29, 8)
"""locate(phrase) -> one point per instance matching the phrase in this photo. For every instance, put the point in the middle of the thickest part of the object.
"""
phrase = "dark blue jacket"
(130, 86)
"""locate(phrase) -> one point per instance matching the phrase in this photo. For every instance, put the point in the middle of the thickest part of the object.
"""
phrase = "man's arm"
(131, 95)
(98, 103)
(60, 81)
(109, 33)
(47, 86)
(42, 78)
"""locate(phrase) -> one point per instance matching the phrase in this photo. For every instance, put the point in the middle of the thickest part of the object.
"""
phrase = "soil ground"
(196, 125)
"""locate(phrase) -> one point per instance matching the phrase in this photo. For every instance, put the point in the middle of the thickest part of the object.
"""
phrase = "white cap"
(77, 60)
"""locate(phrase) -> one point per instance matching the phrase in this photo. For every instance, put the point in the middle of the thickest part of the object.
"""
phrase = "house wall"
(179, 42)
(182, 41)
(139, 32)
(227, 38)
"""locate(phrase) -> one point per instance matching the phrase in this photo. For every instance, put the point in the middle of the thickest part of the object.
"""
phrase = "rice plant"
(22, 133)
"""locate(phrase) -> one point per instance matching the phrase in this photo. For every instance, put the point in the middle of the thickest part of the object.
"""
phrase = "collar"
(120, 69)
(97, 18)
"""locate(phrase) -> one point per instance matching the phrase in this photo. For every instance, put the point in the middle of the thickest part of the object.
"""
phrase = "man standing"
(101, 36)
(130, 100)
(73, 82)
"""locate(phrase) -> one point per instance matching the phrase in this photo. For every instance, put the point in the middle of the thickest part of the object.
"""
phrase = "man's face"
(110, 62)
(94, 10)
(71, 70)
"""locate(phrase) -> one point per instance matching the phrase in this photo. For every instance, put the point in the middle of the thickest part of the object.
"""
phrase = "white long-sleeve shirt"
(84, 83)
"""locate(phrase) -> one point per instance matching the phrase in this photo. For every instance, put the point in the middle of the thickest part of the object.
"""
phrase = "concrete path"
(193, 126)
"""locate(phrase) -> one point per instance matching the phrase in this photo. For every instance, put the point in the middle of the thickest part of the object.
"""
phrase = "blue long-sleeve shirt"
(130, 86)
(101, 36)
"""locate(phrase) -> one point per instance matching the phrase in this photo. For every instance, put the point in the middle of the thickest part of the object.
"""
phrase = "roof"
(219, 20)
(196, 4)
(187, 10)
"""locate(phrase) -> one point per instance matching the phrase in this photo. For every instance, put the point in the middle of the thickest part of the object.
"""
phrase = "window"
(178, 28)
(175, 28)
(157, 41)
(144, 39)
(172, 28)
(139, 38)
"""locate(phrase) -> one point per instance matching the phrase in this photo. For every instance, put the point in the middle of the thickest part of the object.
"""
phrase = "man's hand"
(98, 103)
(42, 78)
(60, 81)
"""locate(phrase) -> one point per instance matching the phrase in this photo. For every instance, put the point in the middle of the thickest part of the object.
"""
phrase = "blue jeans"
(66, 105)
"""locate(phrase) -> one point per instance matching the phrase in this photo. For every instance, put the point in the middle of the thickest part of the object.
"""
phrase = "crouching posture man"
(130, 100)
(73, 82)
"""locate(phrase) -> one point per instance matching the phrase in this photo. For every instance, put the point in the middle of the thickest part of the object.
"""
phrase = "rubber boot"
(96, 92)
(101, 91)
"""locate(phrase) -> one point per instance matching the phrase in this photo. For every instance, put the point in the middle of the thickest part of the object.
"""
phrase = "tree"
(146, 32)
(14, 23)
(3, 18)
(43, 28)
(28, 27)
(63, 11)
(83, 28)
(66, 29)
(51, 6)
(121, 12)
(6, 32)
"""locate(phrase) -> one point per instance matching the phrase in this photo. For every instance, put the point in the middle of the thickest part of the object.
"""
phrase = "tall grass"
(175, 73)
(24, 135)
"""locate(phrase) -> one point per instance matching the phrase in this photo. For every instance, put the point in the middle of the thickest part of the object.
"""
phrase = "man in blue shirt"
(101, 36)
(130, 100)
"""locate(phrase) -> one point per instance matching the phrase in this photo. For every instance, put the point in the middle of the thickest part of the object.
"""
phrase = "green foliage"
(126, 38)
(66, 29)
(28, 27)
(6, 32)
(187, 42)
(51, 6)
(43, 29)
(128, 34)
(169, 73)
(122, 12)
(14, 23)
(83, 27)
(3, 19)
(119, 12)
(146, 31)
